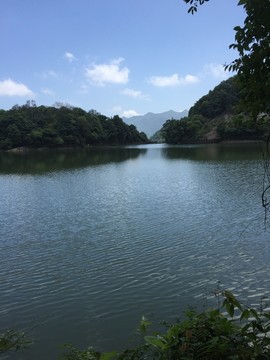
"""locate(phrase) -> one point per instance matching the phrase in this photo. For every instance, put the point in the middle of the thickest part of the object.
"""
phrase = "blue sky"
(123, 57)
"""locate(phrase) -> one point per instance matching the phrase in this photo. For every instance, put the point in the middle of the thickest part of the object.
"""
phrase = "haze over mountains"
(151, 122)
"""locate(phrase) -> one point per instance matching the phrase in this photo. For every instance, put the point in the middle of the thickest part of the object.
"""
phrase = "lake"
(92, 239)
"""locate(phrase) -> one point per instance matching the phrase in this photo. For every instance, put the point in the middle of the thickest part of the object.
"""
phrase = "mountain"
(151, 123)
(218, 116)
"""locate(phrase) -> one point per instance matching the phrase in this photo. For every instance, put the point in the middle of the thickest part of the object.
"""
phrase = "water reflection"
(39, 162)
(84, 254)
(215, 152)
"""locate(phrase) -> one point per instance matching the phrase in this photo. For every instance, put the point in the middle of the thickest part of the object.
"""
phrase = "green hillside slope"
(215, 117)
(40, 126)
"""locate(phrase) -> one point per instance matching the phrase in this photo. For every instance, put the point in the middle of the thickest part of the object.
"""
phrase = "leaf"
(254, 313)
(245, 314)
(108, 355)
(245, 328)
(215, 340)
(156, 341)
(232, 299)
(266, 341)
(144, 324)
(230, 309)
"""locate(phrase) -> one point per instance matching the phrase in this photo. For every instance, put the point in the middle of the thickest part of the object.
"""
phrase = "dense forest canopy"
(219, 101)
(217, 116)
(237, 109)
(252, 42)
(40, 126)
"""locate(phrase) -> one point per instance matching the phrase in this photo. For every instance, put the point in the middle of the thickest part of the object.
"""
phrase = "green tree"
(41, 126)
(222, 99)
(252, 41)
(180, 131)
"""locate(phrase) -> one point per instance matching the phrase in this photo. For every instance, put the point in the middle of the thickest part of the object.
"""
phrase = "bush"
(232, 331)
(207, 335)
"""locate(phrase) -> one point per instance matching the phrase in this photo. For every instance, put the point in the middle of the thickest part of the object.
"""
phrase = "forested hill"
(216, 116)
(223, 99)
(40, 126)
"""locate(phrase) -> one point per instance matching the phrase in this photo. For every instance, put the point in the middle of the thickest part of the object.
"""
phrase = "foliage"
(252, 41)
(157, 137)
(185, 130)
(231, 331)
(13, 340)
(39, 126)
(241, 127)
(223, 99)
(219, 101)
(242, 99)
(220, 110)
(71, 353)
(194, 5)
(207, 335)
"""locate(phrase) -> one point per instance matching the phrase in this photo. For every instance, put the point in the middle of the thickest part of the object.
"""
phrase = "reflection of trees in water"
(38, 162)
(214, 152)
(266, 181)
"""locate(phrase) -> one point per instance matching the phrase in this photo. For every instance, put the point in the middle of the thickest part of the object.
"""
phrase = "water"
(91, 240)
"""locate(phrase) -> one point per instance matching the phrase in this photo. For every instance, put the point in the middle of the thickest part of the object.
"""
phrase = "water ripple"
(84, 254)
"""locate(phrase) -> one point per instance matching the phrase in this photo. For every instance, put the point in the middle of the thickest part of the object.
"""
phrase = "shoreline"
(25, 149)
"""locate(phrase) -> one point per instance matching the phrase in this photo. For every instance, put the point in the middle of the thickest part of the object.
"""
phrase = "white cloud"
(110, 73)
(216, 70)
(69, 57)
(132, 93)
(136, 94)
(11, 88)
(123, 113)
(129, 113)
(189, 79)
(173, 80)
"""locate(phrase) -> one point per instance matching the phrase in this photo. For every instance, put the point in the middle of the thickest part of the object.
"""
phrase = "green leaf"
(254, 313)
(144, 324)
(230, 309)
(108, 355)
(156, 341)
(237, 28)
(245, 328)
(232, 299)
(245, 314)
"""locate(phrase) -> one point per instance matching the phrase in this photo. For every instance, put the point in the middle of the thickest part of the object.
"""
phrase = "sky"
(125, 57)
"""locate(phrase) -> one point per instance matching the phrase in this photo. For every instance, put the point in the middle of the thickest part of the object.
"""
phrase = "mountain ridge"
(150, 122)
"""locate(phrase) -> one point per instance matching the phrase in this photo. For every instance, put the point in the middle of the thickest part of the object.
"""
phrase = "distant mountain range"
(151, 123)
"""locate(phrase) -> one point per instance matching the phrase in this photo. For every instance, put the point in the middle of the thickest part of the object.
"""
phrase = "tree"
(252, 41)
(41, 126)
(222, 99)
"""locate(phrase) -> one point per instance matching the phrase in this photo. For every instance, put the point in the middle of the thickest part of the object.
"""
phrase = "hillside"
(40, 126)
(215, 117)
(151, 122)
